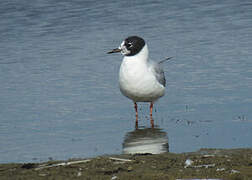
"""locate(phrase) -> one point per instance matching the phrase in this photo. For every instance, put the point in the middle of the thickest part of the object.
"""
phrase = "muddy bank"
(205, 163)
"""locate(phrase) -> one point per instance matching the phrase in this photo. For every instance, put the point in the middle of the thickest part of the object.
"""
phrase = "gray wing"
(159, 73)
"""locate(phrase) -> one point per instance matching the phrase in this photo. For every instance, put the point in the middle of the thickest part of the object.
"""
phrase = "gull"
(140, 79)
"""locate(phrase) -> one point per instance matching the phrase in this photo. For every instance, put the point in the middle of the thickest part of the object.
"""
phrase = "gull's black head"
(134, 45)
(130, 46)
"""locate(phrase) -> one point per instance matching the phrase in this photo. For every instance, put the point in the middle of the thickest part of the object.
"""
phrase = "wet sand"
(231, 164)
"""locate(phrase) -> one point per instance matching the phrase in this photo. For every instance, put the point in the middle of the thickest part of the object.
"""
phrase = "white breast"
(136, 78)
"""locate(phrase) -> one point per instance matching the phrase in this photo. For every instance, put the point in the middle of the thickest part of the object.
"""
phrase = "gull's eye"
(128, 45)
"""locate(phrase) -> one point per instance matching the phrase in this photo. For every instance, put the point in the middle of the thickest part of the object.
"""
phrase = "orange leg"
(136, 115)
(151, 119)
(151, 107)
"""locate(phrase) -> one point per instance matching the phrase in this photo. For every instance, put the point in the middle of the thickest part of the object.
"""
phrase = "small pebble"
(114, 177)
(234, 171)
(220, 169)
(188, 162)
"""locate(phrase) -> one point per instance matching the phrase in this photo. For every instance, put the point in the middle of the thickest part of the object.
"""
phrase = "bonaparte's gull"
(140, 79)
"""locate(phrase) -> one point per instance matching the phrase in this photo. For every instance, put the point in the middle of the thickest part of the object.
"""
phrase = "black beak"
(114, 51)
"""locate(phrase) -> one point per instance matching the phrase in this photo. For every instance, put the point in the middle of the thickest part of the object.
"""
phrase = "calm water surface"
(59, 95)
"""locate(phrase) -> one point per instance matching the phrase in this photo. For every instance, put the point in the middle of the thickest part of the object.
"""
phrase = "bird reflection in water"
(146, 140)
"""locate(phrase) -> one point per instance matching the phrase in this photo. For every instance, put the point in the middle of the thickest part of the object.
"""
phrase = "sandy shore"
(205, 163)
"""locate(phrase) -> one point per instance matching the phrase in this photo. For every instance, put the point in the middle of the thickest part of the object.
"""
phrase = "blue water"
(59, 95)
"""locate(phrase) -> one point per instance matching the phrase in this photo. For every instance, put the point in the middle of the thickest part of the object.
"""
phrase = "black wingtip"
(166, 59)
